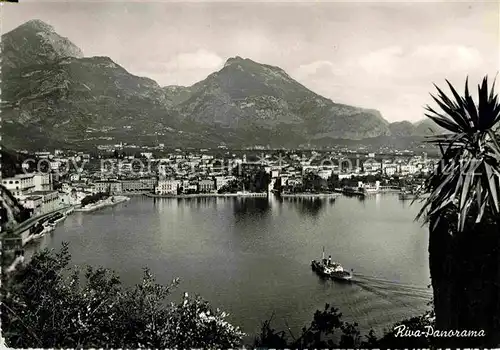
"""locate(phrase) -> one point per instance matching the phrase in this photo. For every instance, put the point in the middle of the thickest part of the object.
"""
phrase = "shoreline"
(249, 194)
(103, 204)
(310, 195)
(206, 195)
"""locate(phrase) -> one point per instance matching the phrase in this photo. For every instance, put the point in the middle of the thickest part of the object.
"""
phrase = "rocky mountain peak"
(233, 60)
(33, 43)
(37, 26)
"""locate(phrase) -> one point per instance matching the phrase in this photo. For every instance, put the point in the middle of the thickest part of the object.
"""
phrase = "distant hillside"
(404, 128)
(62, 99)
(428, 127)
(175, 94)
(424, 127)
(260, 101)
(35, 43)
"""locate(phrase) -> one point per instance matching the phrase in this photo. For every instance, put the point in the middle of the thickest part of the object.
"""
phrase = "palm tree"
(462, 210)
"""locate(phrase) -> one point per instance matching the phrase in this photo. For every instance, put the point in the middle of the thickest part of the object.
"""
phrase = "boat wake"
(377, 303)
(391, 289)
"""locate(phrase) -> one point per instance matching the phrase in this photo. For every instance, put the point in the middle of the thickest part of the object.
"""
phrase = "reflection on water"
(310, 206)
(250, 206)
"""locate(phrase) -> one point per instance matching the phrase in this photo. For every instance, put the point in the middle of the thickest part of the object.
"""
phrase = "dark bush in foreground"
(44, 307)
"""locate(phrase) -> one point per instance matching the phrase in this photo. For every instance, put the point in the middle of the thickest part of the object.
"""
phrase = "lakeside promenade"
(310, 195)
(264, 194)
(207, 195)
(26, 225)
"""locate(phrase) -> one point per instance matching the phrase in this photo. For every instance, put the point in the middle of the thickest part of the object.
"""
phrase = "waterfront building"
(73, 197)
(167, 186)
(50, 200)
(20, 185)
(35, 203)
(221, 181)
(191, 187)
(369, 187)
(206, 185)
(113, 186)
(139, 185)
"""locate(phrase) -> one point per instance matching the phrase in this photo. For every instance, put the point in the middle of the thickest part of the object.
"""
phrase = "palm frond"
(467, 176)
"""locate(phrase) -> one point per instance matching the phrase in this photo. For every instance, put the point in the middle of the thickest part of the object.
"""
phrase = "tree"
(231, 186)
(462, 210)
(313, 182)
(93, 198)
(261, 181)
(327, 330)
(333, 182)
(46, 305)
(278, 186)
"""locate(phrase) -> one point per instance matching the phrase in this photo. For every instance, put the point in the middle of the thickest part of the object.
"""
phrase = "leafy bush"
(327, 330)
(94, 198)
(45, 307)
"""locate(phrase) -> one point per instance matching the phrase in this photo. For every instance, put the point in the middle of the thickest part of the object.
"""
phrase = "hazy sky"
(378, 55)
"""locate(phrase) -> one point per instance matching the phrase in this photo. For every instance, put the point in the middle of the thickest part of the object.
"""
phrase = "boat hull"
(342, 276)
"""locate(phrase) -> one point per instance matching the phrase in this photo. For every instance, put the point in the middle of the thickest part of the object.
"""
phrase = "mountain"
(61, 98)
(175, 94)
(403, 128)
(424, 127)
(427, 127)
(261, 101)
(34, 43)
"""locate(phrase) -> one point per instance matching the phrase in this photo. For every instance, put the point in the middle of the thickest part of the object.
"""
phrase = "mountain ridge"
(50, 88)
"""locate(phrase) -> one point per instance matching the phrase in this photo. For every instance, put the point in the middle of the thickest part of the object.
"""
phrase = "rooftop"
(42, 193)
(19, 176)
(33, 198)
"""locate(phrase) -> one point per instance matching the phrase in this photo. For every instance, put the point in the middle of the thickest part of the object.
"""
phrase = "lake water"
(251, 256)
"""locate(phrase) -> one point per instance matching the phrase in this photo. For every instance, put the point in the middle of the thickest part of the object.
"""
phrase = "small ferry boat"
(328, 268)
